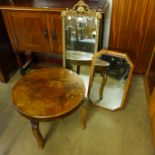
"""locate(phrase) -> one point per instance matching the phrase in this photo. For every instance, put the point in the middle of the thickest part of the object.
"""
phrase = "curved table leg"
(104, 80)
(83, 116)
(36, 132)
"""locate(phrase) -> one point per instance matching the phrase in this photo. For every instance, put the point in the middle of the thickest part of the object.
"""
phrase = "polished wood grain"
(133, 30)
(30, 30)
(128, 82)
(46, 34)
(36, 132)
(46, 94)
(56, 5)
(54, 25)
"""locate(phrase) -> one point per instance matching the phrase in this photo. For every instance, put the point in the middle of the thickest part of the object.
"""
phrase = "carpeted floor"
(125, 132)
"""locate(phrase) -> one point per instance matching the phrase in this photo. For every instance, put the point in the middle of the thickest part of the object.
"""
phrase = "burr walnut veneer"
(48, 93)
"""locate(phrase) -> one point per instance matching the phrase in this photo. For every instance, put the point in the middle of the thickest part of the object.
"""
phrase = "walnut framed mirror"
(80, 38)
(110, 78)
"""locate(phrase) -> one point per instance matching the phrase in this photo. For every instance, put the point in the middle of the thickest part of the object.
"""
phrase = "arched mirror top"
(80, 32)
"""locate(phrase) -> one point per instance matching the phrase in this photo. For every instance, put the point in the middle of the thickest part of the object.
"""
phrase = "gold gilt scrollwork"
(81, 8)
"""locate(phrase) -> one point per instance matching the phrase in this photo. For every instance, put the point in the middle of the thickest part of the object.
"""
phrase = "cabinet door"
(54, 24)
(30, 30)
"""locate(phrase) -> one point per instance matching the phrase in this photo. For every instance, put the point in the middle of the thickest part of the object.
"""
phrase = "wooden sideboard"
(34, 31)
(36, 26)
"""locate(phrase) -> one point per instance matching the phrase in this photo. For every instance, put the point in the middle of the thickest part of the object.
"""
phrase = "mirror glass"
(80, 33)
(80, 39)
(110, 80)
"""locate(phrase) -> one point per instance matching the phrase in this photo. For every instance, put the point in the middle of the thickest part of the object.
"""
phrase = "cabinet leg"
(78, 69)
(83, 113)
(22, 71)
(36, 132)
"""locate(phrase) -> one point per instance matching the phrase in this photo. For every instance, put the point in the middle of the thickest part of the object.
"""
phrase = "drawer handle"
(46, 34)
(54, 35)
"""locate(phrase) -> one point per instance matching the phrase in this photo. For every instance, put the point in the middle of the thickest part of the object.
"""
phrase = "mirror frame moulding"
(80, 9)
(120, 55)
(147, 89)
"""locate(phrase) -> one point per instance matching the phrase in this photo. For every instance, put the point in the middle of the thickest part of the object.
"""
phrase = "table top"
(48, 93)
(79, 56)
(102, 63)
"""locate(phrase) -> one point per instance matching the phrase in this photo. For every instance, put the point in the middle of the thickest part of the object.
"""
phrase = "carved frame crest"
(80, 9)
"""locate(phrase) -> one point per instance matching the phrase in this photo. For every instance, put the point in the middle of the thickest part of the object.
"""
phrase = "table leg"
(104, 80)
(36, 132)
(83, 116)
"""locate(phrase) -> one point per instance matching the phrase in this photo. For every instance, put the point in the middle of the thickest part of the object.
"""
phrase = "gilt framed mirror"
(80, 38)
(110, 78)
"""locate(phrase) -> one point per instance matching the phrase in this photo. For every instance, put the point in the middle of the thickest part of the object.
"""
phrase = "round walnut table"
(48, 93)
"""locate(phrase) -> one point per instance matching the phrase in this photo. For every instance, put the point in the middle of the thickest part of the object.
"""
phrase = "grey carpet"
(124, 132)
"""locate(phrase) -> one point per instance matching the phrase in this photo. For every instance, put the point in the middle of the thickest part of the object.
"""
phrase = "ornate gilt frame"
(120, 55)
(80, 9)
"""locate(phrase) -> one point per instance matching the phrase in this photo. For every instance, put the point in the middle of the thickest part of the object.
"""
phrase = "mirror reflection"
(80, 42)
(110, 80)
(81, 26)
(80, 33)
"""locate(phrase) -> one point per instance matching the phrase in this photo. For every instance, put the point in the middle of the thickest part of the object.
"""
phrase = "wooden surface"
(54, 25)
(55, 5)
(133, 30)
(48, 93)
(149, 78)
(30, 30)
(35, 26)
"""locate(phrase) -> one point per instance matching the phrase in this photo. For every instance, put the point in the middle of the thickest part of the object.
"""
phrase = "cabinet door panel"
(54, 22)
(30, 30)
